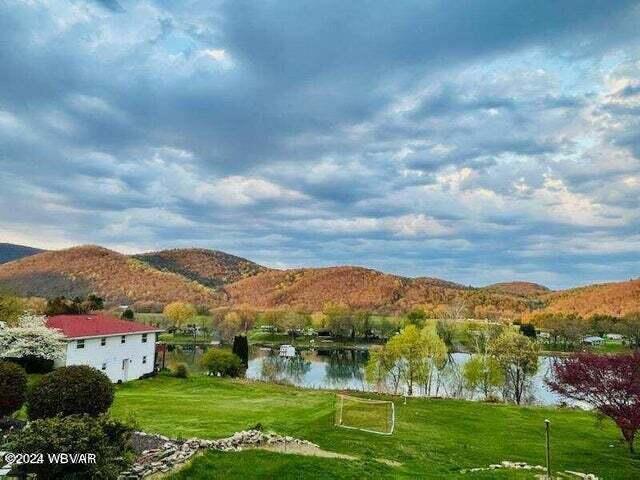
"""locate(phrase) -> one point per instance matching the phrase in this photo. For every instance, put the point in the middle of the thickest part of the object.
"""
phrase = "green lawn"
(433, 438)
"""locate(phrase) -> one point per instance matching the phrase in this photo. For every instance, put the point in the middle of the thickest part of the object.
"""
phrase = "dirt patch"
(318, 452)
(307, 450)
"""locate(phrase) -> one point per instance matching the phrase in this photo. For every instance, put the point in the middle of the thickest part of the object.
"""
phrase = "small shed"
(593, 340)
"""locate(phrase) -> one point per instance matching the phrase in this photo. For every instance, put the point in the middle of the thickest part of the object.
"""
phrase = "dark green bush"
(103, 436)
(69, 391)
(13, 387)
(33, 364)
(181, 371)
(528, 330)
(221, 362)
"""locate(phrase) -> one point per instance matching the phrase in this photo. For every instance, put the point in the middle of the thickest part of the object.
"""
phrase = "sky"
(476, 141)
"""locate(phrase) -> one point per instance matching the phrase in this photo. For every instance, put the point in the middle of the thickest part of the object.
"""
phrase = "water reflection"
(342, 369)
(344, 366)
(275, 368)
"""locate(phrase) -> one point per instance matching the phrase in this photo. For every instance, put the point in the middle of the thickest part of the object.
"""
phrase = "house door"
(125, 369)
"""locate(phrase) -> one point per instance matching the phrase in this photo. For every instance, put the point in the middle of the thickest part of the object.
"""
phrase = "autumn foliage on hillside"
(208, 267)
(523, 289)
(615, 299)
(212, 279)
(313, 288)
(360, 288)
(89, 269)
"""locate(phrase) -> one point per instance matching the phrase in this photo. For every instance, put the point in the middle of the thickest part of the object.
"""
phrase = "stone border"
(169, 454)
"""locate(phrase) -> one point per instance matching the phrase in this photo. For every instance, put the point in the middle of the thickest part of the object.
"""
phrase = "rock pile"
(159, 454)
(507, 464)
(255, 438)
(525, 466)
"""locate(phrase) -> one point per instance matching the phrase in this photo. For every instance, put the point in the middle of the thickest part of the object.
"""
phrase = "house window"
(104, 366)
(144, 338)
(80, 344)
(123, 339)
(144, 359)
(103, 342)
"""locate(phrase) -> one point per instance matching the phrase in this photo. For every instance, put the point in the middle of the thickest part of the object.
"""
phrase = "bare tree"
(456, 310)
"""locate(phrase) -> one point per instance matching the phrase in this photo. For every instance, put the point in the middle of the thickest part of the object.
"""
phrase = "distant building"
(614, 336)
(287, 351)
(593, 341)
(122, 349)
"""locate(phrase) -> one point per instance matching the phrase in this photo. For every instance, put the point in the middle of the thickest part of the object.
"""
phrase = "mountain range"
(214, 278)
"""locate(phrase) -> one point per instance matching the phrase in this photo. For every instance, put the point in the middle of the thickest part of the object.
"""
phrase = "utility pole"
(548, 448)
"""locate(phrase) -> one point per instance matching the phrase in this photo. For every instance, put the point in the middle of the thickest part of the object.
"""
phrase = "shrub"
(221, 362)
(128, 314)
(181, 371)
(68, 391)
(33, 364)
(107, 438)
(13, 385)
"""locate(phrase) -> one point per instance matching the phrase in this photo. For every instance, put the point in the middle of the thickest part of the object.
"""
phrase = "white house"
(122, 349)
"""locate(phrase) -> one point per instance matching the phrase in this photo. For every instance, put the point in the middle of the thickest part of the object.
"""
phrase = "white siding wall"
(113, 354)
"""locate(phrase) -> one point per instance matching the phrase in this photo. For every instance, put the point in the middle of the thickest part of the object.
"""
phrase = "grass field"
(373, 415)
(433, 438)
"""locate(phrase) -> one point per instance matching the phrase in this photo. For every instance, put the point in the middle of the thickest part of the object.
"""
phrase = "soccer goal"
(373, 416)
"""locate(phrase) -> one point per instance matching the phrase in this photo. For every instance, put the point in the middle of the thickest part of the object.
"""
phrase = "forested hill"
(117, 278)
(10, 252)
(211, 268)
(212, 278)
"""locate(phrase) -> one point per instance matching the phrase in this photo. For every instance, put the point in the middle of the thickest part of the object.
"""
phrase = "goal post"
(373, 416)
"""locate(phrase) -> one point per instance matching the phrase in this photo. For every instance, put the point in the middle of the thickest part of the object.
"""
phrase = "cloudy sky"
(477, 141)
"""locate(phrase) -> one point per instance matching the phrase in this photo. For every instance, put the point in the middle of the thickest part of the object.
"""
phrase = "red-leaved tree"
(610, 383)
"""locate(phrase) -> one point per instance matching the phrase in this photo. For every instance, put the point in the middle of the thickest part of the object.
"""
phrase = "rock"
(161, 454)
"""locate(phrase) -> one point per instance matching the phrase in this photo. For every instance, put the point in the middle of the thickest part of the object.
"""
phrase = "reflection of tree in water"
(282, 369)
(344, 365)
(186, 354)
(449, 379)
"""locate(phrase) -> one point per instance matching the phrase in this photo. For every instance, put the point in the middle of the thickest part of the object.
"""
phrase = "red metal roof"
(82, 326)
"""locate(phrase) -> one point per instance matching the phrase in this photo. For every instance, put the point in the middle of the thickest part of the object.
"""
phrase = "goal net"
(373, 416)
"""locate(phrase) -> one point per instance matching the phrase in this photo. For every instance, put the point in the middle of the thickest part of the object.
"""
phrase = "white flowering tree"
(31, 338)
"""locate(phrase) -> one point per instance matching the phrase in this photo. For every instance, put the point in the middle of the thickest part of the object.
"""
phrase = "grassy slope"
(433, 439)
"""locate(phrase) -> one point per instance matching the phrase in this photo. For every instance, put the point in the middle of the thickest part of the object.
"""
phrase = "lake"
(343, 369)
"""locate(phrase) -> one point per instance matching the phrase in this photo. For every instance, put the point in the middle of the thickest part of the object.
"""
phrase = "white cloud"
(220, 56)
(241, 191)
(412, 225)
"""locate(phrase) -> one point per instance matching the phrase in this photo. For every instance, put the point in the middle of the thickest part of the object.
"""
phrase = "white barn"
(122, 349)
